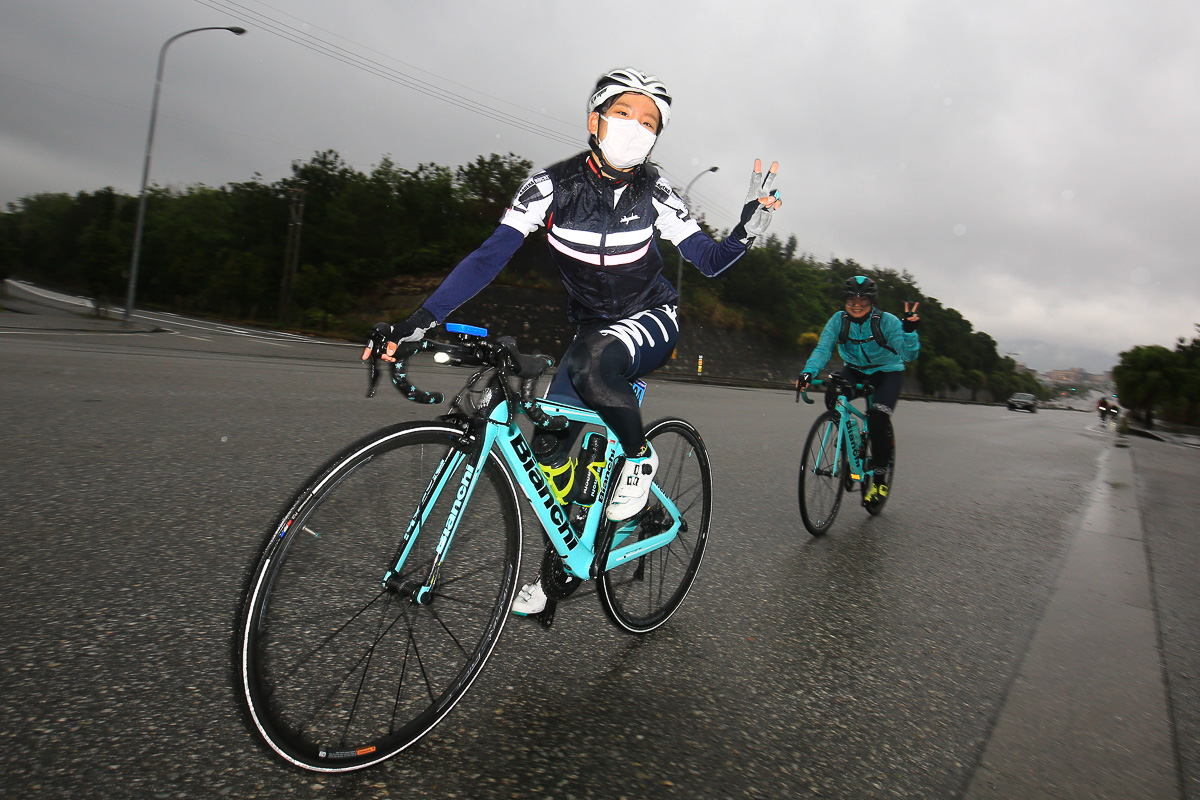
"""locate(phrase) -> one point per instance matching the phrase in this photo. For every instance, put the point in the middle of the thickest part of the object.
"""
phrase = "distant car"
(1023, 401)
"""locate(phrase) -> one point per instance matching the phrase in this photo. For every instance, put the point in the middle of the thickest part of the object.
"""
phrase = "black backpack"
(876, 331)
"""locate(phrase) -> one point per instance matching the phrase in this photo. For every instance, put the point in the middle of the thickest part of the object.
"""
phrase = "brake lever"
(508, 345)
(377, 340)
(803, 393)
(372, 374)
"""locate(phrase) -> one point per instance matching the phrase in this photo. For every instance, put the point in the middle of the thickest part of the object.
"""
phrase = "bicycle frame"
(844, 445)
(576, 548)
(857, 465)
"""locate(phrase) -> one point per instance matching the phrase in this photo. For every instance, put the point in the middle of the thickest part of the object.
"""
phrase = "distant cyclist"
(603, 209)
(1102, 408)
(874, 346)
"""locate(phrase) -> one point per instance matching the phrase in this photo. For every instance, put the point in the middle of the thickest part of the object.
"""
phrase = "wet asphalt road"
(141, 471)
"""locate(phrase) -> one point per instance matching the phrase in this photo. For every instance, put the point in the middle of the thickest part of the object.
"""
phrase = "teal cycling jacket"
(860, 350)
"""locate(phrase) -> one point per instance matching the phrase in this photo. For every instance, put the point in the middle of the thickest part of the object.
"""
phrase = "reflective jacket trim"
(597, 259)
(593, 239)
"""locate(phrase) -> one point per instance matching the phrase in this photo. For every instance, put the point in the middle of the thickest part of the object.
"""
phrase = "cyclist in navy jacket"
(874, 346)
(602, 209)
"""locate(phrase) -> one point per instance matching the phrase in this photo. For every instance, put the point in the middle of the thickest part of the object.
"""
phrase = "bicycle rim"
(337, 672)
(642, 594)
(821, 478)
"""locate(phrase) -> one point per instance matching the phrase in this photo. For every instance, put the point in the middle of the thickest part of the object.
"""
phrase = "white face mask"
(626, 142)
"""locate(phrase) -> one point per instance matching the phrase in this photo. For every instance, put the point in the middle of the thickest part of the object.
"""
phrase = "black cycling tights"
(879, 424)
(886, 393)
(599, 371)
(597, 366)
(596, 370)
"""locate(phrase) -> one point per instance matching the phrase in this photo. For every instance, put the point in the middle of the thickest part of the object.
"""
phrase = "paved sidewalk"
(1166, 432)
(1088, 715)
(27, 308)
(1166, 483)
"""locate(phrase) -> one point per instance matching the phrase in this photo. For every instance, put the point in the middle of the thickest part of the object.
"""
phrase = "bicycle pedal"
(545, 617)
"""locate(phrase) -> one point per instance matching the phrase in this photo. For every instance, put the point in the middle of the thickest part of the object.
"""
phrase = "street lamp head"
(713, 169)
(236, 31)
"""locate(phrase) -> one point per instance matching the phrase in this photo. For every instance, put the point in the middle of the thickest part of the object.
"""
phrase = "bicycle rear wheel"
(337, 671)
(821, 478)
(640, 595)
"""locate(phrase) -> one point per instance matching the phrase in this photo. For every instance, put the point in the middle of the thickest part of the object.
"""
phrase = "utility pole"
(291, 253)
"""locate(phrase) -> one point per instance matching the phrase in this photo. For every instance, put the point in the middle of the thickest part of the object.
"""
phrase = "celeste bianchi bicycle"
(380, 594)
(837, 456)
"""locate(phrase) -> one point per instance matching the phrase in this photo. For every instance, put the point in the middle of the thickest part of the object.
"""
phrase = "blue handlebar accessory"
(469, 330)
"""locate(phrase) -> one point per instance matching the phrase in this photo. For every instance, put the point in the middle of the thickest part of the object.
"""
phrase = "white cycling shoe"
(633, 486)
(530, 600)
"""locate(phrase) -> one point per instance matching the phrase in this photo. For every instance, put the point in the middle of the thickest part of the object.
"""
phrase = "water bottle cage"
(591, 462)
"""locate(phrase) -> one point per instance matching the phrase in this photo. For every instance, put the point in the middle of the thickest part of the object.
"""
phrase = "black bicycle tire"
(687, 549)
(254, 693)
(818, 527)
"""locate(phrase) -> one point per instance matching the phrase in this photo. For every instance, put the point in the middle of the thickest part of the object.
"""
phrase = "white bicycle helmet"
(627, 79)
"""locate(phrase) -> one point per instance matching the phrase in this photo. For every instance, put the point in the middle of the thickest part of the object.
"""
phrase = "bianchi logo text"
(549, 501)
(468, 471)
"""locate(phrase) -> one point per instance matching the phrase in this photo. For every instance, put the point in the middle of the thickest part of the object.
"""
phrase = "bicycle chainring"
(556, 583)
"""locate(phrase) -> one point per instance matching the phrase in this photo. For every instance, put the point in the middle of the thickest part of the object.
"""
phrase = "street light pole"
(679, 272)
(141, 216)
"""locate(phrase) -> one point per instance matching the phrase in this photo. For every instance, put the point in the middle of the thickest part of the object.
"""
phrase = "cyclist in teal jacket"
(874, 346)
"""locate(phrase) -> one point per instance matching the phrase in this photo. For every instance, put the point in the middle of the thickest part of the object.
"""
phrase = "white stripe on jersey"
(586, 238)
(627, 258)
(587, 258)
(589, 239)
(626, 238)
(595, 258)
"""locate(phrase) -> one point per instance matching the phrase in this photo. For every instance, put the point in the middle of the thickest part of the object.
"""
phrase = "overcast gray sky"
(1033, 163)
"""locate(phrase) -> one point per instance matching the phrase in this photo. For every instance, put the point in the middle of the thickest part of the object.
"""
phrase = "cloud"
(1031, 164)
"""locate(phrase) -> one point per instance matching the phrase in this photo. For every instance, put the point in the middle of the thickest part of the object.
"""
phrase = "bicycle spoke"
(329, 638)
(820, 484)
(333, 691)
(639, 595)
(340, 672)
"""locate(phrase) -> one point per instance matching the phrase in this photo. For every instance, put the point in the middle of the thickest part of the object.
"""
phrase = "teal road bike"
(837, 456)
(382, 591)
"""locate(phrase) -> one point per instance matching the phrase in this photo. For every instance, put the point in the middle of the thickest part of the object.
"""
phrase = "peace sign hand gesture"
(910, 318)
(761, 201)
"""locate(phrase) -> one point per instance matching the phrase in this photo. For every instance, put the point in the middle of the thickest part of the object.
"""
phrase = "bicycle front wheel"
(641, 594)
(339, 671)
(821, 476)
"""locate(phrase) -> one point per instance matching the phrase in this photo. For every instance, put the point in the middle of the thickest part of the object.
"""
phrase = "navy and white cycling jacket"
(602, 239)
